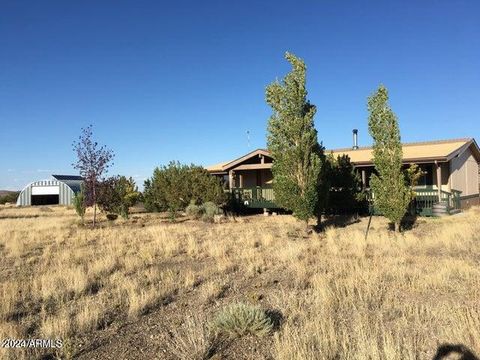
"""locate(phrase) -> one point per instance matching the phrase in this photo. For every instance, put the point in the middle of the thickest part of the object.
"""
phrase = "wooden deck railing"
(426, 197)
(255, 197)
(259, 197)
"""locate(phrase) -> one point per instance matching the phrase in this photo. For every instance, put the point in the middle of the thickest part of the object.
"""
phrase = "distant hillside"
(8, 196)
(5, 192)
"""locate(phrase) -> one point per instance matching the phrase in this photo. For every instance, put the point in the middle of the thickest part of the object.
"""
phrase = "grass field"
(147, 288)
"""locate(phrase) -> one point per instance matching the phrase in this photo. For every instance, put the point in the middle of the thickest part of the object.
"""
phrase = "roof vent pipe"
(355, 139)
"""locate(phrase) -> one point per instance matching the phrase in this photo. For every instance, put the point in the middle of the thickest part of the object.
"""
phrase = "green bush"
(174, 186)
(194, 210)
(117, 194)
(242, 319)
(205, 211)
(79, 203)
(210, 209)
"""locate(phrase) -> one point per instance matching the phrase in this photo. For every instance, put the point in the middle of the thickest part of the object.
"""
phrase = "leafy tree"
(345, 189)
(391, 186)
(92, 163)
(117, 194)
(79, 203)
(292, 141)
(174, 186)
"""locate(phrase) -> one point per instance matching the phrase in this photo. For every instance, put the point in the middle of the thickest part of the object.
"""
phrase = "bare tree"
(92, 163)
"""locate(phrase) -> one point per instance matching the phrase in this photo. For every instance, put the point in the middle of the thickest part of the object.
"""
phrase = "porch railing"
(255, 197)
(426, 197)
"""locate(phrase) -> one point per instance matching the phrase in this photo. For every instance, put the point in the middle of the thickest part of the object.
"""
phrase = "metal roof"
(67, 177)
(442, 150)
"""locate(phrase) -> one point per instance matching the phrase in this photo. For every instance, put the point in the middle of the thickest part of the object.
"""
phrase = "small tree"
(292, 141)
(392, 187)
(79, 203)
(117, 194)
(92, 163)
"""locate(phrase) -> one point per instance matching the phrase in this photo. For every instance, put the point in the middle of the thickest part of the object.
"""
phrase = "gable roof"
(427, 151)
(225, 166)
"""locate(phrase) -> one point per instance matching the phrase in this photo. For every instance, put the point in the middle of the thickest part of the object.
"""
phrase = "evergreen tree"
(392, 188)
(174, 186)
(292, 141)
(345, 187)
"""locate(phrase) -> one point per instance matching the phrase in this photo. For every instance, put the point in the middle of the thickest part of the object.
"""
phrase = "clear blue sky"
(185, 80)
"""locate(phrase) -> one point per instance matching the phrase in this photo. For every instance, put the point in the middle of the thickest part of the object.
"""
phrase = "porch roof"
(225, 166)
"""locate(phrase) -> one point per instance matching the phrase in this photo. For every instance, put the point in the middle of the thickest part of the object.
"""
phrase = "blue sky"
(185, 80)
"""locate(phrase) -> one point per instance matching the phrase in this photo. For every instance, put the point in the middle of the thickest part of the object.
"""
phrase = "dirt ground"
(133, 284)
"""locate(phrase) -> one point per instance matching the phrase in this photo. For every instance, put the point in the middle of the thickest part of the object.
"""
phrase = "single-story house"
(451, 173)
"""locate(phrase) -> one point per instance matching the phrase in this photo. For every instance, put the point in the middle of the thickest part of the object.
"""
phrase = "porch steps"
(454, 211)
(440, 209)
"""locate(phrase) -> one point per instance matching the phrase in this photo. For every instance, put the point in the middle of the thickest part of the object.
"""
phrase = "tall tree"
(92, 163)
(391, 186)
(292, 140)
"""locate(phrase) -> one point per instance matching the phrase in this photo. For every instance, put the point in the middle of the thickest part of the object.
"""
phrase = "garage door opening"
(45, 200)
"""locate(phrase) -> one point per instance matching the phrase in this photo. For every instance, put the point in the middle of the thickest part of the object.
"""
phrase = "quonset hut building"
(59, 190)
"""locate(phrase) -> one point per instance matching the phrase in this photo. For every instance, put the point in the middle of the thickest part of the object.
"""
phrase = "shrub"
(210, 209)
(242, 319)
(205, 211)
(194, 210)
(117, 194)
(79, 203)
(174, 186)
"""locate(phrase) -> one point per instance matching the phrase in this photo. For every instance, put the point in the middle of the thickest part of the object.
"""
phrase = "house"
(451, 173)
(59, 190)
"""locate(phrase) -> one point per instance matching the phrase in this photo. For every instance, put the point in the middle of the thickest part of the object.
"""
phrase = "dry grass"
(394, 296)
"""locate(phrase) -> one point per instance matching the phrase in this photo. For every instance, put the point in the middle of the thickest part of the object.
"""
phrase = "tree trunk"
(319, 222)
(94, 205)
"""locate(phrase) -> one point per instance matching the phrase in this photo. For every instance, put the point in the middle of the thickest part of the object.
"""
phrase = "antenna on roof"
(248, 138)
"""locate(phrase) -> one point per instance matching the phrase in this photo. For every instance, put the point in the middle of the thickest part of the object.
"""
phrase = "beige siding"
(252, 178)
(464, 173)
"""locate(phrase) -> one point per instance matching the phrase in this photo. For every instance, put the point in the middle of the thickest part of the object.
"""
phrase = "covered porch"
(434, 194)
(248, 179)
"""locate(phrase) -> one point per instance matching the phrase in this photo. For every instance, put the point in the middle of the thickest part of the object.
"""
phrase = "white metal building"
(57, 191)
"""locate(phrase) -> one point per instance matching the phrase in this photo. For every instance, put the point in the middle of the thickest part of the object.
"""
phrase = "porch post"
(241, 180)
(364, 179)
(449, 177)
(439, 180)
(231, 185)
